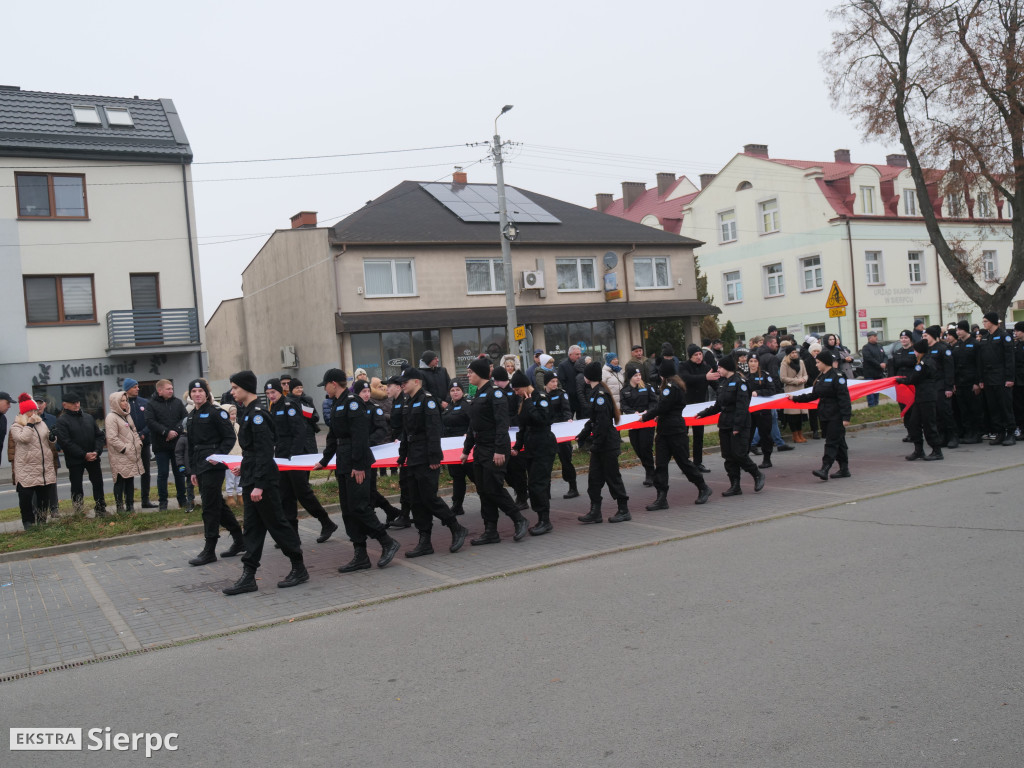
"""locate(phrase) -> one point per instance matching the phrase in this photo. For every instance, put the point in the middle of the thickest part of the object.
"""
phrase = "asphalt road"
(880, 633)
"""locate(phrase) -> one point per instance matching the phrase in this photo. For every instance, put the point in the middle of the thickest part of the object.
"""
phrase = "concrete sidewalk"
(84, 606)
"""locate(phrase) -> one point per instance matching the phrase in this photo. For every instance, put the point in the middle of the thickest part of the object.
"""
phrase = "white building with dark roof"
(97, 245)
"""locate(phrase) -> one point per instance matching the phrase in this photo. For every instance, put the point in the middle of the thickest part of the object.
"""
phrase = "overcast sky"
(603, 93)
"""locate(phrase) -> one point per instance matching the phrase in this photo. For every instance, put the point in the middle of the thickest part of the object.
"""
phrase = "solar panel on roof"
(479, 202)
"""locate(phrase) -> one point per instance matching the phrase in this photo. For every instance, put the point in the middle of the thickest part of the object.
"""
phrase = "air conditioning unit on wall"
(288, 357)
(534, 279)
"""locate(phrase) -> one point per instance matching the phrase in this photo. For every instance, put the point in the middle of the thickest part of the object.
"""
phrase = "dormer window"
(867, 200)
(86, 116)
(119, 116)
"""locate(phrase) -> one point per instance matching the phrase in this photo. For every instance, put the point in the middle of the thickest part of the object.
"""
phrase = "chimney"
(10, 87)
(459, 177)
(604, 199)
(665, 180)
(631, 191)
(304, 220)
(705, 179)
(758, 150)
(896, 161)
(842, 155)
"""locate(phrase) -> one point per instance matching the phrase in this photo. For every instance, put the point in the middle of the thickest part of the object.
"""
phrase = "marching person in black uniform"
(455, 421)
(733, 405)
(297, 393)
(349, 439)
(536, 438)
(697, 375)
(561, 410)
(762, 384)
(637, 397)
(209, 431)
(516, 475)
(943, 357)
(927, 382)
(404, 519)
(292, 433)
(380, 433)
(670, 438)
(262, 500)
(606, 445)
(834, 410)
(903, 362)
(968, 396)
(995, 360)
(487, 437)
(420, 451)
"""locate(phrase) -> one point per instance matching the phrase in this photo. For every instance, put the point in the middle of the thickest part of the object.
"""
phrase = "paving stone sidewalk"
(84, 606)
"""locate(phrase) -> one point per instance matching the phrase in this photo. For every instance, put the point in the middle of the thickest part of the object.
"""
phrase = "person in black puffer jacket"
(637, 397)
(82, 442)
(698, 375)
(455, 421)
(164, 417)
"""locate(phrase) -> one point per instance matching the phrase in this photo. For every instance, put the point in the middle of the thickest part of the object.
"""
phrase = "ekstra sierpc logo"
(95, 740)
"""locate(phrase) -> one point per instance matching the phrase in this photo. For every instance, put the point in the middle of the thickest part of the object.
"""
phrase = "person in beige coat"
(124, 451)
(793, 373)
(34, 467)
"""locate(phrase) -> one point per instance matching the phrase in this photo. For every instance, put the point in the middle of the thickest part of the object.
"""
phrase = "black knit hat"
(549, 375)
(359, 386)
(667, 351)
(519, 380)
(500, 374)
(823, 357)
(728, 363)
(428, 356)
(692, 350)
(992, 317)
(1019, 326)
(274, 384)
(667, 368)
(245, 380)
(200, 384)
(592, 371)
(934, 331)
(295, 384)
(481, 367)
(963, 325)
(921, 346)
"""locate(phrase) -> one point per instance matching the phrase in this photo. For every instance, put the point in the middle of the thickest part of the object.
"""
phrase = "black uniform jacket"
(732, 403)
(943, 357)
(600, 426)
(79, 434)
(762, 384)
(421, 430)
(349, 435)
(668, 410)
(455, 419)
(209, 431)
(256, 438)
(925, 380)
(561, 406)
(488, 424)
(995, 357)
(535, 421)
(291, 427)
(965, 363)
(637, 399)
(903, 362)
(397, 413)
(380, 430)
(832, 395)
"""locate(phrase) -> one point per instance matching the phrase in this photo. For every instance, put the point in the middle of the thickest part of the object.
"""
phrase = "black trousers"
(972, 410)
(762, 422)
(517, 477)
(565, 459)
(426, 504)
(215, 510)
(922, 424)
(642, 441)
(147, 460)
(604, 470)
(31, 499)
(124, 491)
(164, 461)
(835, 443)
(666, 448)
(295, 490)
(944, 416)
(999, 406)
(698, 442)
(263, 517)
(95, 470)
(458, 474)
(494, 496)
(538, 471)
(357, 513)
(404, 490)
(736, 452)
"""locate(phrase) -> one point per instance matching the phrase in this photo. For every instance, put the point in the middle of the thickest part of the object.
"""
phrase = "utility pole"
(506, 246)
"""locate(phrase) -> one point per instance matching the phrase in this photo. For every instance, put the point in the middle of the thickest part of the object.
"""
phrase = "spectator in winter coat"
(82, 441)
(124, 451)
(611, 376)
(435, 377)
(164, 417)
(547, 363)
(874, 363)
(34, 467)
(571, 378)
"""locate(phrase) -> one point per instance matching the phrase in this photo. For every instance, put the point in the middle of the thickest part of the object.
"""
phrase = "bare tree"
(945, 77)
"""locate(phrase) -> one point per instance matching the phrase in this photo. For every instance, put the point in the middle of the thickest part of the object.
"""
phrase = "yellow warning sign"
(837, 312)
(835, 297)
(519, 332)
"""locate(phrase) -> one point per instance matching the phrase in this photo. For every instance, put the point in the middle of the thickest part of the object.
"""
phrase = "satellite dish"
(611, 259)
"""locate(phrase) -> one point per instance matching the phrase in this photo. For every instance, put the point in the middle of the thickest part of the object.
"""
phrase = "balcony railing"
(130, 328)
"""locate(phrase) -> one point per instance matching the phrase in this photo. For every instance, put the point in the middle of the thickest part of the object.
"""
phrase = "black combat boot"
(100, 510)
(423, 547)
(404, 520)
(622, 515)
(841, 472)
(237, 545)
(489, 536)
(360, 560)
(648, 478)
(997, 438)
(519, 532)
(935, 455)
(457, 509)
(247, 583)
(594, 515)
(734, 488)
(297, 575)
(208, 555)
(327, 529)
(573, 492)
(1009, 439)
(700, 466)
(954, 441)
(388, 549)
(522, 503)
(704, 493)
(822, 474)
(759, 479)
(459, 534)
(543, 524)
(917, 454)
(766, 464)
(659, 503)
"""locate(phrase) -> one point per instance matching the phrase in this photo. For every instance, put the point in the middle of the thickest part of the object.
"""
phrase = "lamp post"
(506, 234)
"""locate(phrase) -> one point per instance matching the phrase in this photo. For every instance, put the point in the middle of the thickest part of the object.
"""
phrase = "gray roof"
(408, 214)
(37, 124)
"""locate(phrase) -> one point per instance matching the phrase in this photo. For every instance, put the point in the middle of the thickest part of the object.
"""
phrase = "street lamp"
(506, 233)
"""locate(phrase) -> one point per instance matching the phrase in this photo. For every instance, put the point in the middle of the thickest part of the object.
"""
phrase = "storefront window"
(470, 342)
(595, 339)
(382, 354)
(93, 400)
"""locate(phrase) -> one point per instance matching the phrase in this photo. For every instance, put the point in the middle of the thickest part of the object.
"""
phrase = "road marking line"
(124, 632)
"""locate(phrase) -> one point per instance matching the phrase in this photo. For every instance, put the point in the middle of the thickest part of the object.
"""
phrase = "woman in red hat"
(34, 468)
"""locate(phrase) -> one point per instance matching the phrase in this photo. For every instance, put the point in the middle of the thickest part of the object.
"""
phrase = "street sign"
(836, 299)
(520, 333)
(837, 312)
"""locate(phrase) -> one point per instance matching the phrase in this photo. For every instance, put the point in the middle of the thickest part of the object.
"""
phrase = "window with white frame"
(485, 276)
(774, 282)
(984, 206)
(733, 287)
(1007, 208)
(873, 267)
(963, 316)
(727, 226)
(816, 328)
(651, 272)
(954, 208)
(575, 274)
(877, 324)
(915, 267)
(867, 200)
(990, 266)
(391, 277)
(768, 213)
(811, 268)
(910, 202)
